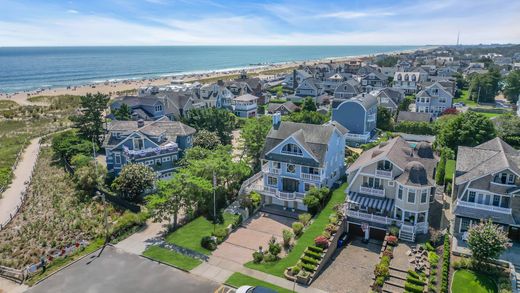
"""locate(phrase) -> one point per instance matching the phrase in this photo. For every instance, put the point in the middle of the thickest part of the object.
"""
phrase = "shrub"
(297, 229)
(220, 234)
(258, 257)
(306, 259)
(388, 253)
(321, 241)
(315, 249)
(270, 257)
(391, 240)
(463, 263)
(331, 228)
(393, 230)
(413, 274)
(308, 267)
(295, 270)
(333, 218)
(312, 254)
(380, 281)
(208, 243)
(326, 234)
(304, 218)
(238, 221)
(274, 247)
(415, 281)
(381, 270)
(445, 265)
(433, 259)
(413, 287)
(287, 236)
(429, 247)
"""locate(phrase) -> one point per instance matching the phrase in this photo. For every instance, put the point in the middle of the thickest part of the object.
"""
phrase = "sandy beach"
(115, 88)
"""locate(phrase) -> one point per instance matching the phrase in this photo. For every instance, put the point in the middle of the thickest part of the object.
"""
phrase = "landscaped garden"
(238, 279)
(171, 257)
(466, 281)
(307, 239)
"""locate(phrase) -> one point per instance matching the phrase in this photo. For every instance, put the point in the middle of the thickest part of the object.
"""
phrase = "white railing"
(308, 176)
(358, 136)
(266, 169)
(479, 206)
(384, 173)
(372, 191)
(421, 227)
(371, 217)
(246, 184)
(273, 191)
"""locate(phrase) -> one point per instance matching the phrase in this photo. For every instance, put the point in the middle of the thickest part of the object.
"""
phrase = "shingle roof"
(414, 116)
(497, 217)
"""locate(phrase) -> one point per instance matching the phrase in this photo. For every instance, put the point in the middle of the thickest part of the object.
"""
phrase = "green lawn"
(238, 279)
(465, 281)
(171, 257)
(449, 170)
(464, 97)
(315, 229)
(189, 235)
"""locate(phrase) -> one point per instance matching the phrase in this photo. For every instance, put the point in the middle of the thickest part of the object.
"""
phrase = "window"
(291, 168)
(424, 196)
(390, 183)
(400, 193)
(471, 196)
(276, 165)
(496, 200)
(138, 143)
(421, 217)
(384, 165)
(158, 108)
(505, 202)
(511, 179)
(174, 157)
(158, 162)
(465, 224)
(411, 195)
(272, 181)
(308, 186)
(292, 149)
(398, 213)
(442, 100)
(117, 158)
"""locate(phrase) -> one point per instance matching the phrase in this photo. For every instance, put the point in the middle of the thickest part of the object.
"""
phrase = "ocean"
(30, 68)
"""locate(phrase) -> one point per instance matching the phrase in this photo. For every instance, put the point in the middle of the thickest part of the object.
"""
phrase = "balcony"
(372, 191)
(479, 206)
(170, 147)
(273, 191)
(384, 173)
(308, 176)
(371, 217)
(274, 171)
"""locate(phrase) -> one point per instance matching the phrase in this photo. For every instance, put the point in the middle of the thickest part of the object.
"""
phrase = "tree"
(220, 121)
(89, 121)
(309, 105)
(486, 241)
(387, 61)
(466, 129)
(512, 86)
(405, 104)
(315, 197)
(508, 128)
(415, 127)
(89, 178)
(123, 113)
(133, 180)
(68, 144)
(460, 81)
(484, 87)
(384, 118)
(206, 139)
(253, 135)
(182, 192)
(308, 117)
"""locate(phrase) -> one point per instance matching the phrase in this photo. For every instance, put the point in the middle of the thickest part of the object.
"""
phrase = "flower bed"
(382, 269)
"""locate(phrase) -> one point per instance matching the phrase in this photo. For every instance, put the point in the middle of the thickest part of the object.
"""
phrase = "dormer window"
(158, 108)
(505, 178)
(384, 165)
(138, 143)
(292, 149)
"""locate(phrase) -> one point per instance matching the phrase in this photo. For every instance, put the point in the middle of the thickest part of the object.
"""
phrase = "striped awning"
(385, 204)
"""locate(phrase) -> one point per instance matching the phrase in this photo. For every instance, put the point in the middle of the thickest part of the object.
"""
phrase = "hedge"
(446, 265)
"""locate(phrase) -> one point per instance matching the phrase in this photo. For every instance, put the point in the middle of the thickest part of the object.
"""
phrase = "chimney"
(277, 118)
(140, 123)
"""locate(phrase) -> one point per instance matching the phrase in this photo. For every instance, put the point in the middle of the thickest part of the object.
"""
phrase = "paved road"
(118, 271)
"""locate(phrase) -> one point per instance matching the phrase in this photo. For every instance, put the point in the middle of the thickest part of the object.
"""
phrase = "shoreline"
(116, 86)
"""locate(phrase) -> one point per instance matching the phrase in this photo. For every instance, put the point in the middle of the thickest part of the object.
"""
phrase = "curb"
(167, 264)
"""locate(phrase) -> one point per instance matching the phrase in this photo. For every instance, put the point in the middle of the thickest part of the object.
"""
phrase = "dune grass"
(171, 257)
(316, 228)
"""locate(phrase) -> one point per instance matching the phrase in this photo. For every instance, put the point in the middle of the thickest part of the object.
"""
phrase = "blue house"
(142, 107)
(358, 115)
(157, 144)
(296, 157)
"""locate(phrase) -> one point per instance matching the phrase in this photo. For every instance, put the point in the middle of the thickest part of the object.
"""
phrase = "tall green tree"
(486, 241)
(68, 144)
(220, 121)
(90, 178)
(405, 104)
(484, 87)
(314, 198)
(508, 128)
(466, 129)
(182, 192)
(133, 180)
(309, 105)
(89, 121)
(123, 113)
(206, 139)
(385, 120)
(512, 86)
(308, 117)
(253, 135)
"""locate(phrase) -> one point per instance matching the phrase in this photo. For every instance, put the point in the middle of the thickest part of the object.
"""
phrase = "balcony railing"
(371, 217)
(266, 169)
(372, 191)
(479, 206)
(273, 191)
(313, 177)
(358, 136)
(384, 173)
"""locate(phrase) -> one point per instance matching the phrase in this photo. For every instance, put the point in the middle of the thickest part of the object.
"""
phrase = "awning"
(386, 204)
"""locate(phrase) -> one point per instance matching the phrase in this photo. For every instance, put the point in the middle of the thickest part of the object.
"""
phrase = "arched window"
(406, 77)
(414, 78)
(399, 77)
(292, 149)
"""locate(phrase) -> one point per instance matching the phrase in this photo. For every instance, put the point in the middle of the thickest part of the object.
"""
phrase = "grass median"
(171, 257)
(238, 279)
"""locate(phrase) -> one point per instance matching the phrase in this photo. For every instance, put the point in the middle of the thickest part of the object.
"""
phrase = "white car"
(257, 289)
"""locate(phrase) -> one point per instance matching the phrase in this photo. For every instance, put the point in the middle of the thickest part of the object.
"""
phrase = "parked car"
(254, 289)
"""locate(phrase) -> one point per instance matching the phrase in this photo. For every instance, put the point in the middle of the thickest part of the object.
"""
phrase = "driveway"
(255, 232)
(118, 271)
(352, 268)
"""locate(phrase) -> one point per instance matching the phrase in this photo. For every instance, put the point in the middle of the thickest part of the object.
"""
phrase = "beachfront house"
(296, 157)
(141, 107)
(157, 144)
(487, 186)
(245, 106)
(433, 99)
(358, 115)
(216, 95)
(391, 183)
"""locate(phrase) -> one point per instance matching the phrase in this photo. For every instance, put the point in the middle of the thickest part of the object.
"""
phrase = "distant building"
(433, 99)
(358, 115)
(409, 82)
(347, 89)
(390, 98)
(157, 144)
(245, 106)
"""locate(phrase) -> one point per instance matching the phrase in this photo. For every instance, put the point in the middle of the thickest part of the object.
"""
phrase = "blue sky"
(235, 22)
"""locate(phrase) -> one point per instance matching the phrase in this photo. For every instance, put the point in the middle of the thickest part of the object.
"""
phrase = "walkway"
(137, 242)
(219, 270)
(12, 196)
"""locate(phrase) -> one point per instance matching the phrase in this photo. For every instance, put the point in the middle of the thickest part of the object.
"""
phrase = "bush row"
(446, 265)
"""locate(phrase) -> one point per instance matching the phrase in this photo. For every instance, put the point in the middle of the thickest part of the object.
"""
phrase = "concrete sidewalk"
(219, 270)
(137, 242)
(12, 196)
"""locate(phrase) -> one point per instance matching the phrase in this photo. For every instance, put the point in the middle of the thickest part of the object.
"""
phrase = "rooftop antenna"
(458, 38)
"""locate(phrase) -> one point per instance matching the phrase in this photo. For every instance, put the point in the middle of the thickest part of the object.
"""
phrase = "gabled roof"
(393, 94)
(314, 138)
(490, 157)
(414, 116)
(290, 106)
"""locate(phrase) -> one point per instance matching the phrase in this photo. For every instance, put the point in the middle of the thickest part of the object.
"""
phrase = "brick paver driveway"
(255, 232)
(352, 269)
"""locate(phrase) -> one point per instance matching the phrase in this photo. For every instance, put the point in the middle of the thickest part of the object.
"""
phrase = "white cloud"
(72, 11)
(355, 14)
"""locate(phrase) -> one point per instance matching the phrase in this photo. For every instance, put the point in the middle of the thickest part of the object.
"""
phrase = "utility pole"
(214, 202)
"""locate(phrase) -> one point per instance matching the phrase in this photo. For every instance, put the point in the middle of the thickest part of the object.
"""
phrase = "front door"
(289, 185)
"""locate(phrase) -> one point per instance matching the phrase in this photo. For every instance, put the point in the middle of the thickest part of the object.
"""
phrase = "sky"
(246, 22)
